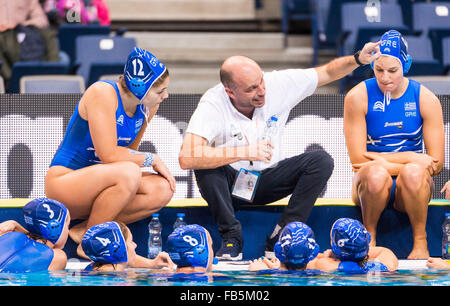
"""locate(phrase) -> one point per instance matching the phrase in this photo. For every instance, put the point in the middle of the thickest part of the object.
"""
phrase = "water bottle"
(446, 237)
(271, 128)
(179, 221)
(154, 237)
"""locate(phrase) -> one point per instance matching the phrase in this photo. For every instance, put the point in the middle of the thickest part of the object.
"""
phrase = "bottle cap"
(180, 214)
(156, 215)
(273, 118)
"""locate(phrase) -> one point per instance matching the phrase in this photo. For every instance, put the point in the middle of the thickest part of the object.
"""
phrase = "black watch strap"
(356, 56)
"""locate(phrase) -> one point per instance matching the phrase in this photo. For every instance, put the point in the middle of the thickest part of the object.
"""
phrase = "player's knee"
(165, 192)
(412, 177)
(375, 179)
(129, 176)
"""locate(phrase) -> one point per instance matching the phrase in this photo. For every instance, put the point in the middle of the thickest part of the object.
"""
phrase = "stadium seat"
(105, 55)
(428, 15)
(439, 85)
(360, 24)
(300, 10)
(295, 10)
(446, 55)
(21, 69)
(329, 14)
(52, 84)
(424, 63)
(432, 19)
(68, 32)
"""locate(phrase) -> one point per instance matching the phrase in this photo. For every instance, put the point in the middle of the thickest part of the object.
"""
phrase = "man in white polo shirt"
(234, 159)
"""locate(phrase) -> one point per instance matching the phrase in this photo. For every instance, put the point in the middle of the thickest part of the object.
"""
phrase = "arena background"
(32, 127)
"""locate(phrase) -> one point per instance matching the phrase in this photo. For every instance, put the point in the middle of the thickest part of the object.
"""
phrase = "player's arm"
(385, 256)
(433, 128)
(355, 131)
(137, 140)
(98, 106)
(433, 136)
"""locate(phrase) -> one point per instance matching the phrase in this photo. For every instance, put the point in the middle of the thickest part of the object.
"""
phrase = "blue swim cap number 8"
(190, 240)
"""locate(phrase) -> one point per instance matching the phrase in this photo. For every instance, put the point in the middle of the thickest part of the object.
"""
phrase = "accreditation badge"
(245, 184)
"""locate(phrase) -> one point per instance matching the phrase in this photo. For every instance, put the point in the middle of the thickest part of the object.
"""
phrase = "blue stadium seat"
(429, 15)
(21, 69)
(433, 20)
(333, 18)
(52, 84)
(105, 55)
(295, 10)
(360, 23)
(68, 32)
(446, 54)
(424, 63)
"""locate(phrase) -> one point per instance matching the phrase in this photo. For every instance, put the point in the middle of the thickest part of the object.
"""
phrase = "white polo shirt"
(222, 125)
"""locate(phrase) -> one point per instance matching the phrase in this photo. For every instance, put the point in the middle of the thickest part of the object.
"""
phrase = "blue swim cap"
(141, 71)
(45, 218)
(188, 246)
(349, 239)
(104, 243)
(296, 245)
(393, 44)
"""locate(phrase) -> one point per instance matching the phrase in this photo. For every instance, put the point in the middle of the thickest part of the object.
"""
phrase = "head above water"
(46, 218)
(296, 246)
(105, 243)
(349, 240)
(190, 246)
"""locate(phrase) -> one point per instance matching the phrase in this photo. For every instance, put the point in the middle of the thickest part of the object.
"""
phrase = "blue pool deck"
(394, 229)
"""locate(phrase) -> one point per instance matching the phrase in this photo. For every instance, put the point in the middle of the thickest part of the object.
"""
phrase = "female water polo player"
(388, 121)
(190, 248)
(110, 246)
(96, 171)
(38, 246)
(296, 249)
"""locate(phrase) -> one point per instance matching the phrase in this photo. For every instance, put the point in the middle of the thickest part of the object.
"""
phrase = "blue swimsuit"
(19, 253)
(352, 267)
(77, 150)
(393, 125)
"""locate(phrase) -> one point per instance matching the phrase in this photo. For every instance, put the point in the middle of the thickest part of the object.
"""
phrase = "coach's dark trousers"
(304, 176)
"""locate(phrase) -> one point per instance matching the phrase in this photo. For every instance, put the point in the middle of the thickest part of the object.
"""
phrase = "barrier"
(32, 126)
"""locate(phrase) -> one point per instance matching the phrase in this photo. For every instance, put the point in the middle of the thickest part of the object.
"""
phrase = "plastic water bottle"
(154, 237)
(446, 237)
(271, 128)
(179, 221)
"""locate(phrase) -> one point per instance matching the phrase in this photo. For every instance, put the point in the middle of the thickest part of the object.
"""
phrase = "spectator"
(24, 35)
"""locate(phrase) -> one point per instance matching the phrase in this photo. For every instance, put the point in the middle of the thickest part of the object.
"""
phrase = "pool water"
(143, 277)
